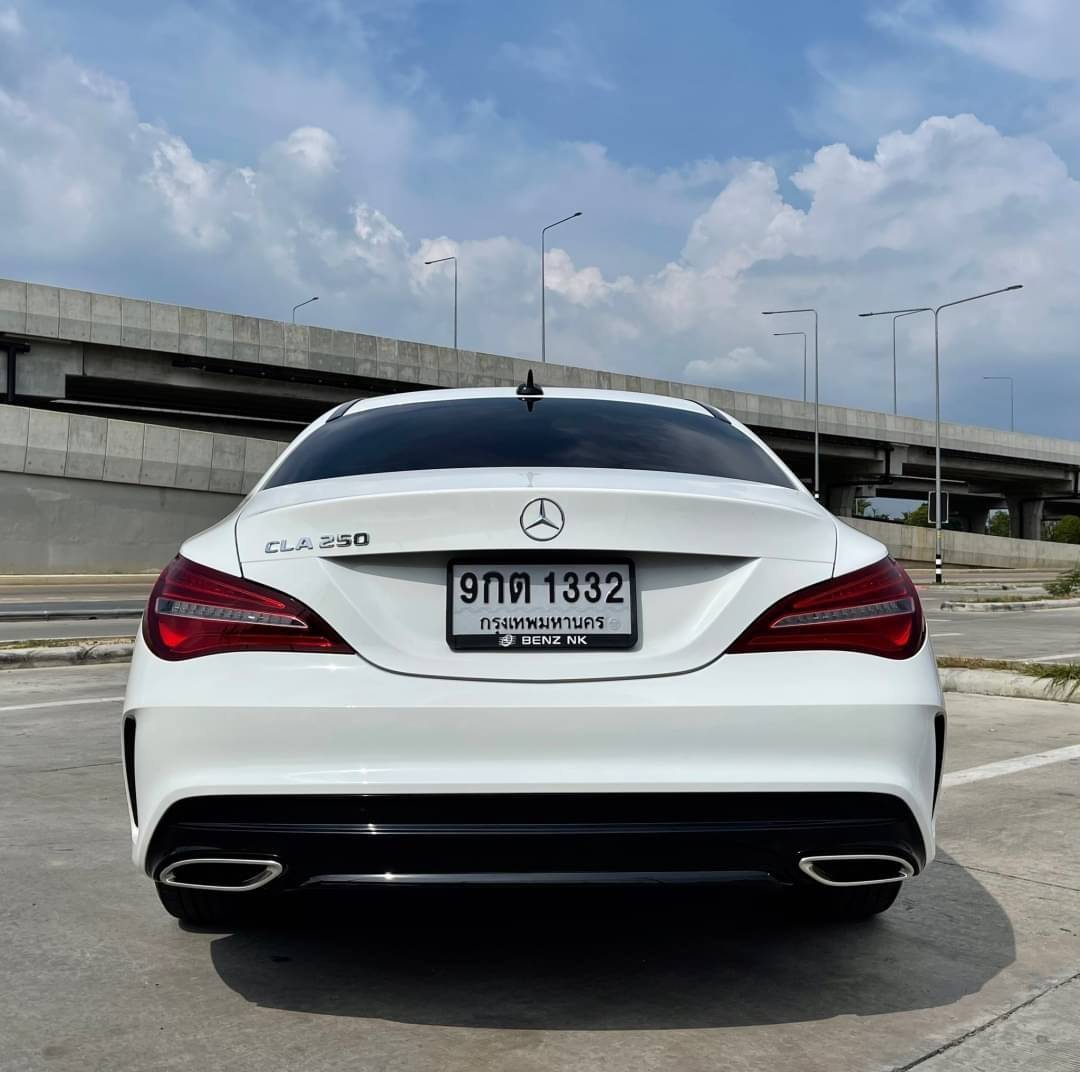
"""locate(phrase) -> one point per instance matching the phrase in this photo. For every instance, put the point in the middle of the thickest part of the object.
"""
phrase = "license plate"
(549, 606)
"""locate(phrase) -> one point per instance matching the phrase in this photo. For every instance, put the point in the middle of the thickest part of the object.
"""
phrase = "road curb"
(993, 608)
(1003, 683)
(88, 652)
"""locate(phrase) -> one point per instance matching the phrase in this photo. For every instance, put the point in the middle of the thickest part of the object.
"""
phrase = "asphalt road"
(966, 575)
(101, 592)
(976, 966)
(1037, 635)
(66, 610)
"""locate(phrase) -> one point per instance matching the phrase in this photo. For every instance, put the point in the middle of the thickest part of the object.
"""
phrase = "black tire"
(204, 908)
(845, 902)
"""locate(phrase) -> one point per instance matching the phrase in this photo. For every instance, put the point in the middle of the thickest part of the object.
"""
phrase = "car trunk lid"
(371, 553)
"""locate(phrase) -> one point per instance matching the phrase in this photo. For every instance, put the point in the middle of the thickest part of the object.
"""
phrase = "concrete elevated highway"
(127, 391)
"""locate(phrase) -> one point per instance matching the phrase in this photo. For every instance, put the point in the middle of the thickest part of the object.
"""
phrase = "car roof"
(457, 394)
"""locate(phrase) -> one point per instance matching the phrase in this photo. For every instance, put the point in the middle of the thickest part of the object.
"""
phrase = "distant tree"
(999, 523)
(1067, 530)
(863, 508)
(919, 516)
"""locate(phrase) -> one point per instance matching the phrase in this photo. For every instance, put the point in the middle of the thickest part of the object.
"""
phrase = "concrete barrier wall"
(57, 524)
(46, 443)
(914, 544)
(85, 494)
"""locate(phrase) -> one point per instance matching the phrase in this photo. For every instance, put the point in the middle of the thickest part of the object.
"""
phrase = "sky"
(726, 158)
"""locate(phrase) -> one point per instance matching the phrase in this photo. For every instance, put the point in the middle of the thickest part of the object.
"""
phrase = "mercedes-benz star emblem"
(542, 519)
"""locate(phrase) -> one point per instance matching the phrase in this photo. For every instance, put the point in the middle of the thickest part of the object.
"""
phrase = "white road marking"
(61, 703)
(936, 635)
(1012, 766)
(939, 621)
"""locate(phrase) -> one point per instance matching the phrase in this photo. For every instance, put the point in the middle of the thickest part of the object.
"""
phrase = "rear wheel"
(204, 907)
(845, 902)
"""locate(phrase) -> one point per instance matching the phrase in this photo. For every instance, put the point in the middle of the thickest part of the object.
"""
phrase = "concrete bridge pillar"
(975, 518)
(841, 500)
(1025, 517)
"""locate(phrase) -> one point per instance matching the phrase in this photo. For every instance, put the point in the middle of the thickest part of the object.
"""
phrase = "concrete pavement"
(976, 966)
(70, 630)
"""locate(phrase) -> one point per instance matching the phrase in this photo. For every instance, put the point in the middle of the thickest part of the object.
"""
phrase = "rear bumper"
(796, 731)
(341, 841)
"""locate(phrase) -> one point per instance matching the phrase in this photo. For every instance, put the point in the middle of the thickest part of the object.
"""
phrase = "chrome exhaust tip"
(220, 874)
(856, 869)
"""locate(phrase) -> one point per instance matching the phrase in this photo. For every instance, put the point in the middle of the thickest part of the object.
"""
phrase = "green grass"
(1066, 584)
(1061, 678)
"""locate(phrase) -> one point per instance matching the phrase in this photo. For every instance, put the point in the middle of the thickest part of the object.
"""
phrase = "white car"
(534, 636)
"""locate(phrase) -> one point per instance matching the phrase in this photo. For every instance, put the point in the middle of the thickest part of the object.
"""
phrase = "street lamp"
(442, 260)
(937, 404)
(817, 395)
(779, 334)
(895, 409)
(300, 305)
(543, 306)
(1012, 414)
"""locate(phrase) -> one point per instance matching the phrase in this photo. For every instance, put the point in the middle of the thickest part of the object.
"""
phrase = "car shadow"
(606, 959)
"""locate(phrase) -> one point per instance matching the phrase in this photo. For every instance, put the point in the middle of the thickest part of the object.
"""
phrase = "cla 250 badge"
(324, 543)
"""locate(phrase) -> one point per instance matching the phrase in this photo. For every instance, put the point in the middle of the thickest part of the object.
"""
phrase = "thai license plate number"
(550, 606)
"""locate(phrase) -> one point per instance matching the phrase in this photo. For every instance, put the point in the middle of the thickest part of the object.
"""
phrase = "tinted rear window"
(502, 433)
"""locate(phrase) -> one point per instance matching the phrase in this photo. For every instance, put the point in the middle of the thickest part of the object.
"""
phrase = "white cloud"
(314, 149)
(377, 243)
(10, 23)
(747, 222)
(735, 365)
(564, 60)
(860, 101)
(581, 286)
(193, 193)
(1020, 55)
(1036, 38)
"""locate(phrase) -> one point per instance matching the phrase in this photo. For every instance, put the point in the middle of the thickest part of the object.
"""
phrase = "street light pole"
(442, 260)
(895, 408)
(1012, 412)
(300, 305)
(543, 302)
(937, 405)
(817, 395)
(778, 334)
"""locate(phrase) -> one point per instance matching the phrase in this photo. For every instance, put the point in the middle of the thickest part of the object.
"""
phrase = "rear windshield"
(504, 433)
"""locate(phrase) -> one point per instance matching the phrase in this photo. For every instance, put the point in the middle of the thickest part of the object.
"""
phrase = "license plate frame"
(490, 642)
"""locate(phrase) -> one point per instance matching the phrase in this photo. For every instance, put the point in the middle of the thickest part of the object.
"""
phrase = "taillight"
(194, 610)
(875, 610)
